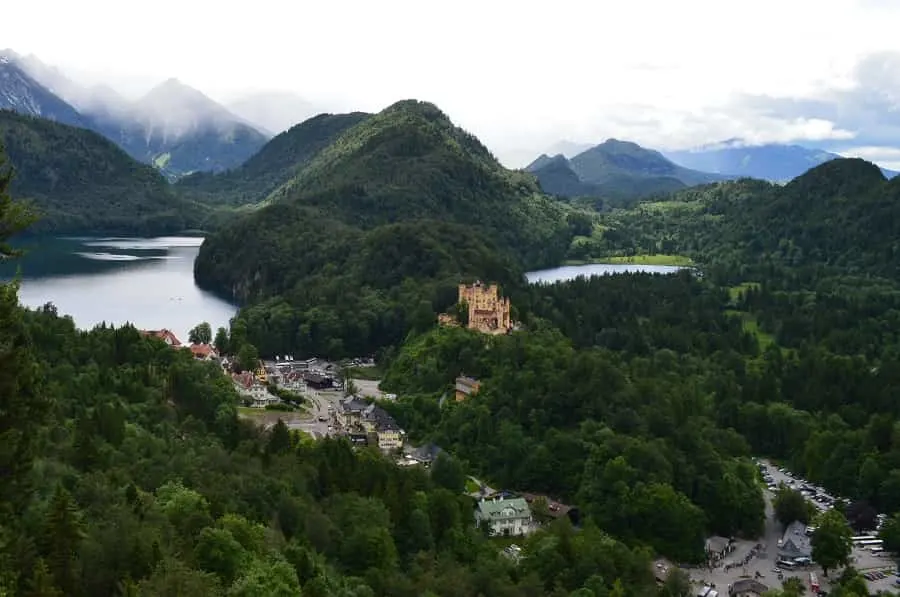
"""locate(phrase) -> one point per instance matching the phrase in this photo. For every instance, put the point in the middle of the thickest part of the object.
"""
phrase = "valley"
(658, 338)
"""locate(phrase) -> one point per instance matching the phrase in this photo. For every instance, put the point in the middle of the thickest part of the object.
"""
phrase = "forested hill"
(81, 182)
(376, 232)
(277, 162)
(841, 218)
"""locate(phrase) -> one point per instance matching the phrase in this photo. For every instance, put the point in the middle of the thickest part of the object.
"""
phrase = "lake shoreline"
(147, 282)
(566, 273)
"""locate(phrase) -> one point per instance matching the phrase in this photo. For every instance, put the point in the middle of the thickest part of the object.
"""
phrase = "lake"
(146, 281)
(570, 272)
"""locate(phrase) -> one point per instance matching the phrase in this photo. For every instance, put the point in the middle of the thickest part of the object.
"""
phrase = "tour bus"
(813, 582)
(860, 538)
(872, 543)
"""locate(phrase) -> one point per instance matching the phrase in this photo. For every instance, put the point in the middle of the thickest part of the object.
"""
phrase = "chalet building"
(466, 387)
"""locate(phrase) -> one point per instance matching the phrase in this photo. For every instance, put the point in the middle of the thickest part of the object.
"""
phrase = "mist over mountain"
(20, 92)
(173, 126)
(273, 112)
(568, 149)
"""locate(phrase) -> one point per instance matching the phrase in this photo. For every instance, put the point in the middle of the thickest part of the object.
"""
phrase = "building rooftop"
(202, 350)
(795, 539)
(748, 585)
(504, 508)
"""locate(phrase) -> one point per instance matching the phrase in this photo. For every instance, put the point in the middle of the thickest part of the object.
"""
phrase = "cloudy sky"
(521, 75)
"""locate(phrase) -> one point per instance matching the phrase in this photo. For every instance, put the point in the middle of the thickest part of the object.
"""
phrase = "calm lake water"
(570, 272)
(146, 281)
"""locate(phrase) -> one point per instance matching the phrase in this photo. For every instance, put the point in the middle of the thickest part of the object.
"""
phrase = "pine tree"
(280, 439)
(63, 533)
(42, 582)
(22, 408)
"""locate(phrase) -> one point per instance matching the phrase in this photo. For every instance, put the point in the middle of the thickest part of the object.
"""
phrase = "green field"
(735, 291)
(676, 260)
(752, 326)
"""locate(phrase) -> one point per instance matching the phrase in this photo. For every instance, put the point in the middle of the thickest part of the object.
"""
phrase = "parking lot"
(762, 564)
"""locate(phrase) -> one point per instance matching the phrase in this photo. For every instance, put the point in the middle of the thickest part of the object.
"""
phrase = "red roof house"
(203, 351)
(165, 335)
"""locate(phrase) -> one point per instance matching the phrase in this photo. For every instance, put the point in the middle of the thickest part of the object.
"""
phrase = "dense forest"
(124, 470)
(80, 182)
(369, 240)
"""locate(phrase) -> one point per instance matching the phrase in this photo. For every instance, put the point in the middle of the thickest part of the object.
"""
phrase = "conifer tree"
(21, 406)
(63, 533)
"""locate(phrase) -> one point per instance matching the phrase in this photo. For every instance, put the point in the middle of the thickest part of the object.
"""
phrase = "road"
(318, 403)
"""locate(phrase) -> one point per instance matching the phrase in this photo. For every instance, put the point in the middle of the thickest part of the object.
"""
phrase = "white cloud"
(888, 157)
(521, 74)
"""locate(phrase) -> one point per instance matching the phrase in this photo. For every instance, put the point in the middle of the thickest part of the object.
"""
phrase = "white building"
(507, 517)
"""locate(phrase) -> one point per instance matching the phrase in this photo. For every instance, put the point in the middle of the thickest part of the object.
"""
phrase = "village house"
(504, 516)
(466, 387)
(718, 547)
(747, 587)
(203, 352)
(165, 335)
(250, 389)
(795, 543)
(359, 417)
(318, 381)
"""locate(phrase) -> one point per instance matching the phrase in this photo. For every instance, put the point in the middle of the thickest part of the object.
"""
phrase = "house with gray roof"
(795, 543)
(747, 587)
(504, 516)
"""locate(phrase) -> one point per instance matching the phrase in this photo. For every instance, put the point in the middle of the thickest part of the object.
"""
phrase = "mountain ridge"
(614, 169)
(376, 231)
(275, 164)
(81, 182)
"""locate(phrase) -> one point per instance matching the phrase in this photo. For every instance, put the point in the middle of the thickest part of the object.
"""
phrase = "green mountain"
(841, 217)
(614, 159)
(277, 162)
(81, 182)
(373, 235)
(614, 170)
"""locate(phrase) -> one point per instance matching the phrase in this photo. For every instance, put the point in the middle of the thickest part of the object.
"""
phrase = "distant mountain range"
(617, 170)
(174, 127)
(775, 162)
(733, 158)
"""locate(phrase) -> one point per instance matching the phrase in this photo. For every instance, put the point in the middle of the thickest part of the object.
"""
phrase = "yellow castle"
(488, 311)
